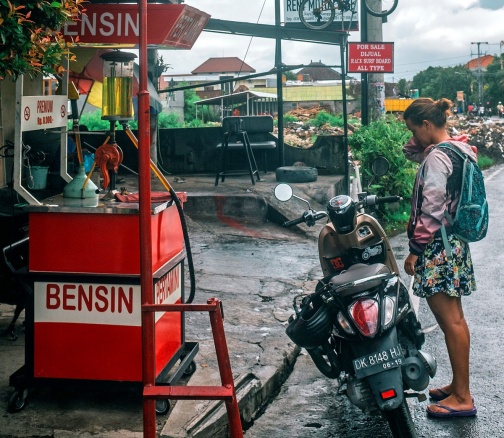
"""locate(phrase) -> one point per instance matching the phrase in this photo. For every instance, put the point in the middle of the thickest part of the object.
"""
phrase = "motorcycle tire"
(400, 421)
(326, 361)
(296, 174)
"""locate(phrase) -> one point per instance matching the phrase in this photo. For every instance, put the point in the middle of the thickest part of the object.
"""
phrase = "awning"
(255, 102)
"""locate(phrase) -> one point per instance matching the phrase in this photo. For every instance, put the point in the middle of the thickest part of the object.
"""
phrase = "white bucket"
(39, 175)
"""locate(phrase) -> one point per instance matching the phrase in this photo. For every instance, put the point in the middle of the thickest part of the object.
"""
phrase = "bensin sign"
(370, 57)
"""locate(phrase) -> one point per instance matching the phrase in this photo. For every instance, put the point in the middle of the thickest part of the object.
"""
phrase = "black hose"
(190, 263)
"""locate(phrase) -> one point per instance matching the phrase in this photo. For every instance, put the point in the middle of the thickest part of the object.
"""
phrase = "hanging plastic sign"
(43, 112)
(170, 25)
(375, 57)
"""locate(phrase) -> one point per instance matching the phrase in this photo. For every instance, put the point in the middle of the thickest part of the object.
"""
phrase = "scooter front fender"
(386, 386)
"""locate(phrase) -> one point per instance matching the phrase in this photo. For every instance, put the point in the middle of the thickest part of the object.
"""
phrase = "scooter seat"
(359, 271)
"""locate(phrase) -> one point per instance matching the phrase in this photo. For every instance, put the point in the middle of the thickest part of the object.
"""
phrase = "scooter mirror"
(380, 166)
(283, 192)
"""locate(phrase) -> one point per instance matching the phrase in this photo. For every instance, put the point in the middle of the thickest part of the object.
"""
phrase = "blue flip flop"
(440, 396)
(451, 413)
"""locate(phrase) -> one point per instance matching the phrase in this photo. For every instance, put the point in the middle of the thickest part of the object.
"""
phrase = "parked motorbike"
(359, 326)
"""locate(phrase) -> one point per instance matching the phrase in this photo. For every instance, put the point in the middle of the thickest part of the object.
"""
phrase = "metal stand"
(225, 392)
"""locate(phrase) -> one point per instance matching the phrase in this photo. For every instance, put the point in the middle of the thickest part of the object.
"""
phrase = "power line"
(433, 60)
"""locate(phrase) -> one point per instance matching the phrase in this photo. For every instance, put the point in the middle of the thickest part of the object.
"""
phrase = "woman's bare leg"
(450, 317)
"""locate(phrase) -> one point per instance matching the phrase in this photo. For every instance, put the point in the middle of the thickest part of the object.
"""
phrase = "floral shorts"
(435, 273)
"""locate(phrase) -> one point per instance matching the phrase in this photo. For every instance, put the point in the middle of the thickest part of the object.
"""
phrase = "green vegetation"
(31, 41)
(485, 162)
(288, 118)
(94, 122)
(386, 138)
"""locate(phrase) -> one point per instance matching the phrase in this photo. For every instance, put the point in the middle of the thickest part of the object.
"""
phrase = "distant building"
(227, 65)
(482, 62)
(317, 85)
(317, 71)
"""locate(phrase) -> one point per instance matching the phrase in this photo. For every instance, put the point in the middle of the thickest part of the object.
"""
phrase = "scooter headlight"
(365, 313)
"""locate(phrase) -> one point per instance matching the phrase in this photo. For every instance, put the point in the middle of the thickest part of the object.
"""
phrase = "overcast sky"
(425, 32)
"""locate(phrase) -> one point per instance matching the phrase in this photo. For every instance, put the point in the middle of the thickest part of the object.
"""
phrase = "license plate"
(375, 363)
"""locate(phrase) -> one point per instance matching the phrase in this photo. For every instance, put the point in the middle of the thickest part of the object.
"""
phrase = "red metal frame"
(225, 392)
(152, 392)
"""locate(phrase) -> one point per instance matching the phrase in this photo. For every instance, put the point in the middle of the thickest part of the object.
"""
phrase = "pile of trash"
(486, 134)
(302, 133)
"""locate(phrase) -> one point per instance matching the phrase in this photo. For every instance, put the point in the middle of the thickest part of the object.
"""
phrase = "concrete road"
(309, 405)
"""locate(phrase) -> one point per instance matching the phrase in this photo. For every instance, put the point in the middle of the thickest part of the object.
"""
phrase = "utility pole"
(372, 84)
(278, 65)
(480, 79)
(364, 76)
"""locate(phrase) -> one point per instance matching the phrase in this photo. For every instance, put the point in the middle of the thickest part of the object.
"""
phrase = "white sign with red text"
(43, 112)
(101, 303)
(375, 57)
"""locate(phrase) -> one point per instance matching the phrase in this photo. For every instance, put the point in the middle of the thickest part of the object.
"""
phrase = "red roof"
(223, 65)
(484, 62)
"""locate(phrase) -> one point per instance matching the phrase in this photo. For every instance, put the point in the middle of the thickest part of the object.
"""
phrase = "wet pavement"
(255, 267)
(240, 257)
(308, 403)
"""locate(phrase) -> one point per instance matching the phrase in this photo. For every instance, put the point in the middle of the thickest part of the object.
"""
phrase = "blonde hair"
(435, 111)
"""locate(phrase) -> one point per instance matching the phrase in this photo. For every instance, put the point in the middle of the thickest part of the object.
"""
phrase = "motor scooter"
(359, 325)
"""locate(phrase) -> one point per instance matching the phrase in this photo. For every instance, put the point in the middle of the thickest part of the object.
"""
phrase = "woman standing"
(438, 278)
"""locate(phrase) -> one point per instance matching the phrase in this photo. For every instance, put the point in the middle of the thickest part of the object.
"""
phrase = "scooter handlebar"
(386, 199)
(293, 222)
(375, 200)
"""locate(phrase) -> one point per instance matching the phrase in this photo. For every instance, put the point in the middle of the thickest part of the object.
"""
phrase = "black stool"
(233, 133)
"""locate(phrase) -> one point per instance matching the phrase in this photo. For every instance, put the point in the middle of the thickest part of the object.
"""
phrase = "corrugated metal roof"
(311, 93)
(238, 98)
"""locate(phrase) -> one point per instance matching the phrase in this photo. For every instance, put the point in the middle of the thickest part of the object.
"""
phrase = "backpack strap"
(449, 219)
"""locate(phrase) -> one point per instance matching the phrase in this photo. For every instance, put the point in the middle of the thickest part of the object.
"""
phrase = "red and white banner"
(371, 57)
(101, 303)
(169, 25)
(93, 330)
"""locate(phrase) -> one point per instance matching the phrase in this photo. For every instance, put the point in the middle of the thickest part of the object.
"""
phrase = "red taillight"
(388, 394)
(364, 312)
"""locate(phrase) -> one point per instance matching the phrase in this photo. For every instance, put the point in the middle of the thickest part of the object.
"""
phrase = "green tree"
(290, 75)
(190, 99)
(494, 83)
(403, 88)
(438, 82)
(30, 38)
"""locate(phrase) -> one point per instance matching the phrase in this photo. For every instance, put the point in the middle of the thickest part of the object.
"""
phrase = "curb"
(248, 206)
(206, 418)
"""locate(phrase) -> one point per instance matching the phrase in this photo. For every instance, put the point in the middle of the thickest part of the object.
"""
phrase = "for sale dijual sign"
(371, 57)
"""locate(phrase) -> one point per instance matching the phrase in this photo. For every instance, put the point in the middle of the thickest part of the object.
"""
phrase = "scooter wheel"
(296, 174)
(326, 361)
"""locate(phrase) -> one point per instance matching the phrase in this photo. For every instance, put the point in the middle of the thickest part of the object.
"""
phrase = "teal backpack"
(470, 219)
